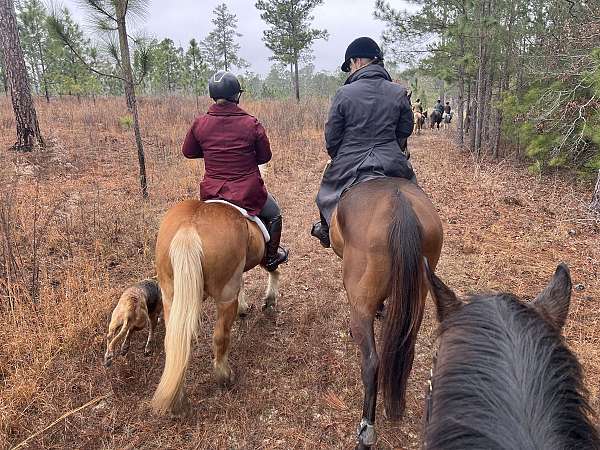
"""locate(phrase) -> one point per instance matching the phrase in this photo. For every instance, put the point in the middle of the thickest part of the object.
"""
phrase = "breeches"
(270, 211)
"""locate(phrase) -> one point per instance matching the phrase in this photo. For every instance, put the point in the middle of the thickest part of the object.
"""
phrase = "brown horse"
(202, 250)
(382, 229)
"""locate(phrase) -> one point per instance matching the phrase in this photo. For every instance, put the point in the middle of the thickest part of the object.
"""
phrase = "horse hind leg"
(243, 306)
(226, 314)
(227, 311)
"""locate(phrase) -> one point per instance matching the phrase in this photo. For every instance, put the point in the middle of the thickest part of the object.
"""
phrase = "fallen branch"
(64, 416)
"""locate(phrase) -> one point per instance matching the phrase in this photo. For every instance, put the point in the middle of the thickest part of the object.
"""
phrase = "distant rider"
(417, 107)
(439, 107)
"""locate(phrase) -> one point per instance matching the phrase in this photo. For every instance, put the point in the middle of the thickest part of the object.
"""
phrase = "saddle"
(243, 212)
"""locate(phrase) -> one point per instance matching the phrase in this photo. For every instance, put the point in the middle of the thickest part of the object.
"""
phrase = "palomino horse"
(504, 377)
(382, 229)
(435, 119)
(202, 250)
(419, 119)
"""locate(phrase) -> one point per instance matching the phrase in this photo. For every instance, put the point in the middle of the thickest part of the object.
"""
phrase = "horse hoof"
(245, 312)
(269, 304)
(268, 310)
(225, 378)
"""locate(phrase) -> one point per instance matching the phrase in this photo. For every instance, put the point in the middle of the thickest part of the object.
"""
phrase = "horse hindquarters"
(181, 317)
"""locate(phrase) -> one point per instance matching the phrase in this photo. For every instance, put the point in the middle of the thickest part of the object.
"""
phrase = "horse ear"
(446, 301)
(553, 302)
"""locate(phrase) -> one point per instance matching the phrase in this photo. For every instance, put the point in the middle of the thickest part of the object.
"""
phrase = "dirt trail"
(298, 379)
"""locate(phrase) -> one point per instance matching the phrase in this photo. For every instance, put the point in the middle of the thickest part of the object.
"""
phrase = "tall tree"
(109, 16)
(290, 35)
(66, 70)
(168, 67)
(222, 41)
(28, 129)
(196, 69)
(32, 20)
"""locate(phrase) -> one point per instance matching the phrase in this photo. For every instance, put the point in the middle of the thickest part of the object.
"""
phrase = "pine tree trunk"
(130, 92)
(469, 112)
(487, 102)
(595, 205)
(28, 129)
(481, 77)
(44, 79)
(5, 83)
(296, 80)
(461, 94)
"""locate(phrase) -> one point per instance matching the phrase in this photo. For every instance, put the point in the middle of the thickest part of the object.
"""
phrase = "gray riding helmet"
(225, 85)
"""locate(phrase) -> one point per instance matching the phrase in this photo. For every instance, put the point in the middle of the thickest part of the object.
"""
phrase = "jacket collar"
(370, 71)
(226, 109)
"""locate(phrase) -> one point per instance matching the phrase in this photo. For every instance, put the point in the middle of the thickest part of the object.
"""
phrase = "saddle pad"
(244, 213)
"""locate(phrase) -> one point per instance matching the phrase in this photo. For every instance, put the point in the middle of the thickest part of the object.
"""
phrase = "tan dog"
(139, 305)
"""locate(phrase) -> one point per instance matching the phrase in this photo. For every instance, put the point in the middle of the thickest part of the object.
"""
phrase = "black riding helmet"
(363, 47)
(225, 85)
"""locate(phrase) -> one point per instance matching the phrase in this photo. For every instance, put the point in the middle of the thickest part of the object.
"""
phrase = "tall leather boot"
(320, 230)
(274, 254)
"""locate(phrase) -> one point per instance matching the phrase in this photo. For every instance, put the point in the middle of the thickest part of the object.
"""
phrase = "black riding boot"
(274, 254)
(320, 230)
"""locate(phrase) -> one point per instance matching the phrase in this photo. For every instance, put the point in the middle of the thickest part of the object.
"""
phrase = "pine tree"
(168, 67)
(290, 35)
(67, 70)
(221, 44)
(33, 30)
(28, 129)
(196, 70)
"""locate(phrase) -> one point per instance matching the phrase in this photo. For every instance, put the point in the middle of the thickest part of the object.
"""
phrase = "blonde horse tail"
(186, 256)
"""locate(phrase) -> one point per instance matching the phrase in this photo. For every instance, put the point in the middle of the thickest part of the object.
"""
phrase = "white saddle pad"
(244, 213)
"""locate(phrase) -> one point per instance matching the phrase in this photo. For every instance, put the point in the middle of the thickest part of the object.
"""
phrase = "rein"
(430, 386)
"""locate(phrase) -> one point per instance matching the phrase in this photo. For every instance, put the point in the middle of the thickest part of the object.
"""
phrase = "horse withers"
(202, 250)
(504, 377)
(382, 229)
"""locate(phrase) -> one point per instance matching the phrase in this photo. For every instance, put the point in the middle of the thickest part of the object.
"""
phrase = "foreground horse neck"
(509, 376)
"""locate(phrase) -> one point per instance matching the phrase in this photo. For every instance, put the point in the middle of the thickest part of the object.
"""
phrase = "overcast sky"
(182, 20)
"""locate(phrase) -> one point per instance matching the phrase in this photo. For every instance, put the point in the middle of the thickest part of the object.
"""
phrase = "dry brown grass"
(74, 233)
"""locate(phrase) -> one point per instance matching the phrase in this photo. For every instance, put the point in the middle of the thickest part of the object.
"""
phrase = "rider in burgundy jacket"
(233, 144)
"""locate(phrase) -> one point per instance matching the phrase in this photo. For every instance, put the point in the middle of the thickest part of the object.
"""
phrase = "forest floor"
(75, 233)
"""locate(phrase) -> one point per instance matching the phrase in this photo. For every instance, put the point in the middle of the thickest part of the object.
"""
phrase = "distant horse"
(435, 119)
(381, 229)
(419, 119)
(447, 118)
(504, 377)
(202, 250)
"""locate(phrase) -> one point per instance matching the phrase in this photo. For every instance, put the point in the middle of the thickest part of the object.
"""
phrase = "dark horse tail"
(405, 309)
